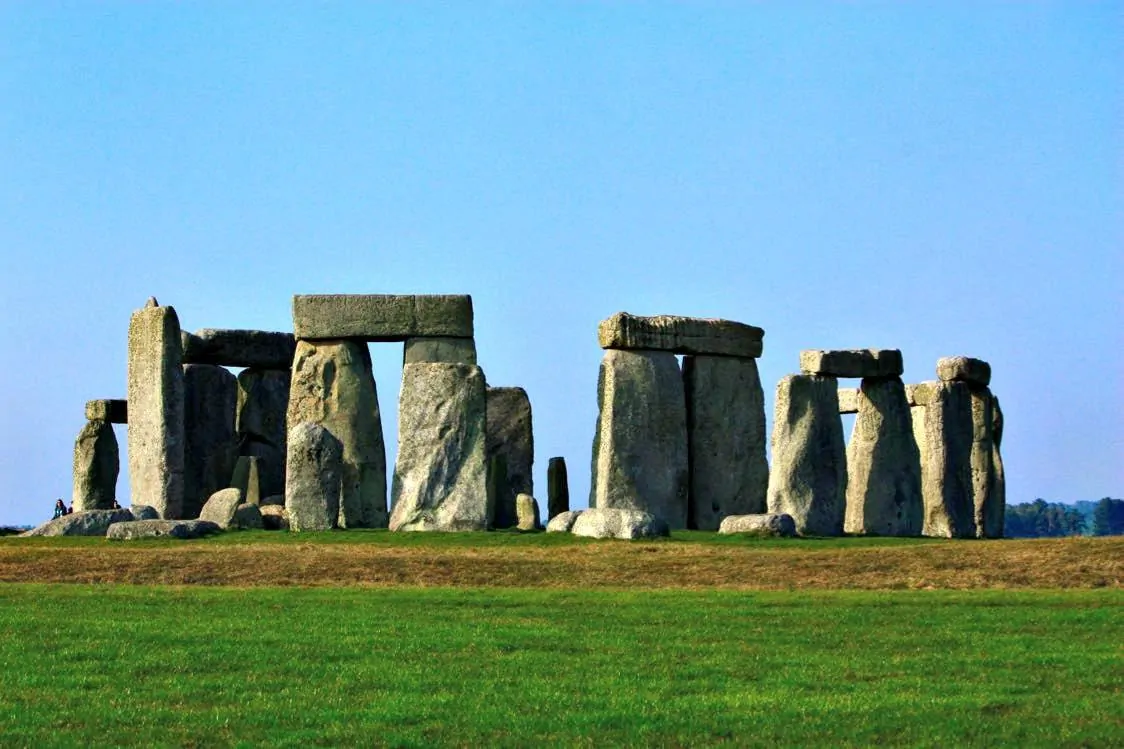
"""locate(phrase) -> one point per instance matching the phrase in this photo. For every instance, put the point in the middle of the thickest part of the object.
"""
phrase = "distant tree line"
(1042, 519)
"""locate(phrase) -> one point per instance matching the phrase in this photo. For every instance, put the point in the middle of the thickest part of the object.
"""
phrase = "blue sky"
(943, 178)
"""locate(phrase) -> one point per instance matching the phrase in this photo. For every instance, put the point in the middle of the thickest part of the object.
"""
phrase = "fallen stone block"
(964, 369)
(563, 522)
(113, 410)
(221, 507)
(604, 522)
(89, 523)
(144, 512)
(247, 517)
(239, 348)
(766, 524)
(382, 317)
(181, 529)
(852, 363)
(274, 518)
(680, 335)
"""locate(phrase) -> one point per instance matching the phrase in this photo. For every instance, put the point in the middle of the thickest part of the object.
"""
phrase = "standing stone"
(440, 477)
(247, 479)
(333, 385)
(527, 512)
(497, 483)
(988, 498)
(809, 476)
(640, 446)
(883, 464)
(210, 449)
(313, 471)
(263, 400)
(995, 520)
(96, 465)
(155, 397)
(947, 484)
(729, 474)
(510, 434)
(557, 487)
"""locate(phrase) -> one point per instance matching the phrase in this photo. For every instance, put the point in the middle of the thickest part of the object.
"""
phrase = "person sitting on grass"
(60, 509)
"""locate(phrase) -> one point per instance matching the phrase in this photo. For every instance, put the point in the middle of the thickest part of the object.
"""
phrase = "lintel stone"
(852, 362)
(113, 410)
(239, 348)
(680, 335)
(382, 317)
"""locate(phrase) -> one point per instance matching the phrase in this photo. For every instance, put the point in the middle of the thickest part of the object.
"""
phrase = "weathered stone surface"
(263, 401)
(680, 335)
(883, 464)
(221, 507)
(997, 518)
(809, 476)
(239, 348)
(247, 517)
(96, 465)
(183, 529)
(273, 499)
(89, 523)
(382, 317)
(156, 400)
(510, 436)
(640, 446)
(439, 351)
(563, 522)
(440, 477)
(144, 512)
(920, 394)
(988, 499)
(113, 410)
(767, 524)
(848, 400)
(312, 478)
(210, 446)
(964, 369)
(947, 474)
(333, 385)
(246, 478)
(557, 488)
(729, 474)
(274, 517)
(607, 522)
(527, 513)
(852, 363)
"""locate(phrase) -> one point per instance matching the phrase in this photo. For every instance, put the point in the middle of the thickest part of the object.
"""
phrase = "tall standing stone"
(947, 484)
(883, 464)
(155, 396)
(210, 447)
(995, 520)
(729, 474)
(314, 468)
(557, 487)
(640, 447)
(988, 484)
(96, 465)
(809, 476)
(263, 400)
(511, 435)
(441, 476)
(247, 479)
(333, 385)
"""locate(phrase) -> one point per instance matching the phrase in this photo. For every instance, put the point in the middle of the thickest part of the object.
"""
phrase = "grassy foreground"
(215, 666)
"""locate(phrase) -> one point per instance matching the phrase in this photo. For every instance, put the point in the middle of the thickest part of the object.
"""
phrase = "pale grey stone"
(382, 317)
(947, 475)
(809, 476)
(88, 523)
(221, 507)
(96, 465)
(313, 473)
(247, 517)
(557, 487)
(156, 400)
(848, 400)
(144, 512)
(263, 401)
(995, 520)
(852, 363)
(181, 529)
(440, 477)
(883, 464)
(964, 369)
(640, 446)
(988, 484)
(113, 410)
(767, 524)
(333, 385)
(527, 513)
(563, 522)
(239, 348)
(680, 335)
(510, 436)
(246, 478)
(274, 518)
(921, 393)
(729, 474)
(443, 350)
(606, 522)
(210, 447)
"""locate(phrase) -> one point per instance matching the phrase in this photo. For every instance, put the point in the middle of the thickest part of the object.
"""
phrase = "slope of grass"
(132, 666)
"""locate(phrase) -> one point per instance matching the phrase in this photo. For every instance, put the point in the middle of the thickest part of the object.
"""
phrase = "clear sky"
(942, 178)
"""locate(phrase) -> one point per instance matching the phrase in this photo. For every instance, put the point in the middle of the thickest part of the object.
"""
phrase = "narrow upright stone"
(96, 465)
(210, 447)
(333, 385)
(247, 479)
(313, 472)
(511, 435)
(729, 474)
(640, 447)
(263, 400)
(113, 410)
(155, 395)
(883, 464)
(557, 487)
(852, 363)
(988, 484)
(947, 484)
(809, 476)
(440, 477)
(995, 520)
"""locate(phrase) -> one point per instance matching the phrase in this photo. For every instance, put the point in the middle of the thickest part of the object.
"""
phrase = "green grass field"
(216, 666)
